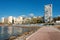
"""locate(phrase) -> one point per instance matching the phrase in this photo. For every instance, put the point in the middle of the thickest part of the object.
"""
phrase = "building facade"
(19, 20)
(10, 18)
(2, 19)
(48, 13)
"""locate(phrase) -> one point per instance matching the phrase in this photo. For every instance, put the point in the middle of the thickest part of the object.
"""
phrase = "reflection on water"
(3, 32)
(6, 32)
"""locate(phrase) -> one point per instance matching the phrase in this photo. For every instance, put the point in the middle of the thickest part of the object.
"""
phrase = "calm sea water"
(6, 32)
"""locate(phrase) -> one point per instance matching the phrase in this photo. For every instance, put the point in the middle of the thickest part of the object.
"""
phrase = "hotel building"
(48, 13)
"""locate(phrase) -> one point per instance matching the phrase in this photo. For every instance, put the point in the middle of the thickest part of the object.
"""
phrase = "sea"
(8, 31)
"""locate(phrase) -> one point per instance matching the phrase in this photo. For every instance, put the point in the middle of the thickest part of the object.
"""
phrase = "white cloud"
(59, 15)
(31, 14)
(23, 15)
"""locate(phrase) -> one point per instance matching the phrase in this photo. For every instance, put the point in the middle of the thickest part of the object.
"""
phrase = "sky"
(27, 7)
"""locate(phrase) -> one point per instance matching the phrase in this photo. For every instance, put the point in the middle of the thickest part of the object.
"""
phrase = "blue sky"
(27, 7)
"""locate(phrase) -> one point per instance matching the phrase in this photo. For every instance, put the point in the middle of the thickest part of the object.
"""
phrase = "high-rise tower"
(48, 13)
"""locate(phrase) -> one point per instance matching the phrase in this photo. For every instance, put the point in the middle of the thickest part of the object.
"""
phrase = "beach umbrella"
(45, 33)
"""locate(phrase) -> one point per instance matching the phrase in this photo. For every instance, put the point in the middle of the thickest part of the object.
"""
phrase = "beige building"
(19, 20)
(26, 20)
(6, 20)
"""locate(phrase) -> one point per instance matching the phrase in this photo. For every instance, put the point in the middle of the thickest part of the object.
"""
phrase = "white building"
(10, 18)
(19, 20)
(48, 13)
(2, 19)
(57, 21)
(15, 20)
